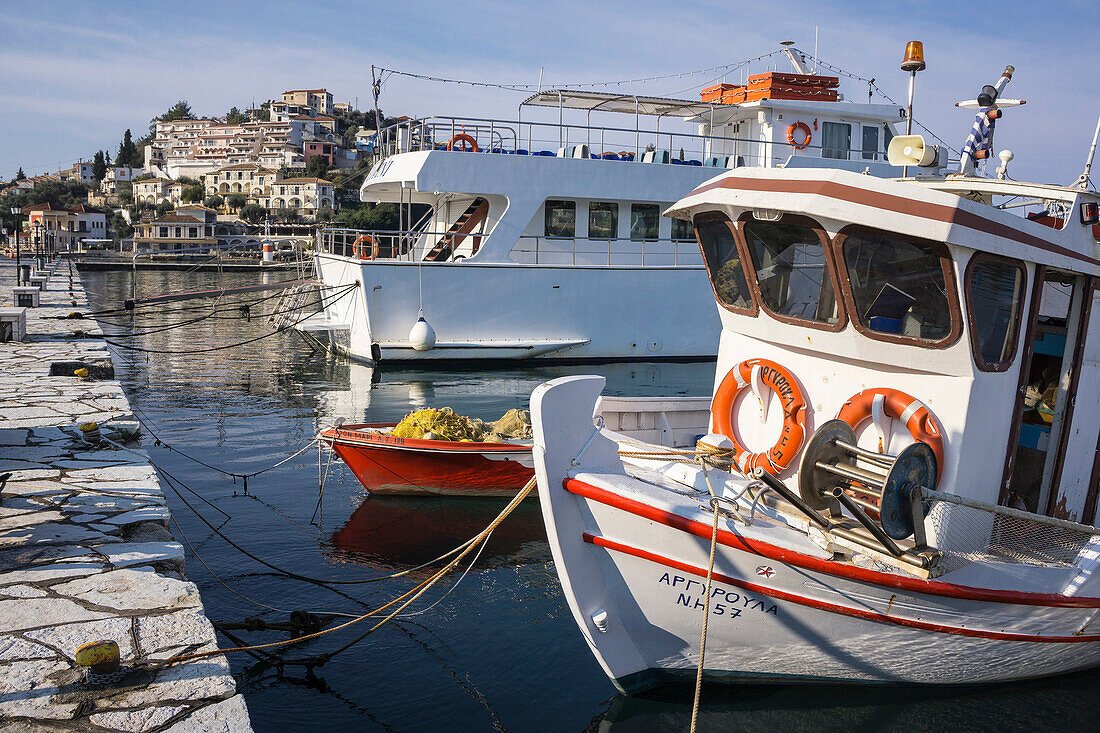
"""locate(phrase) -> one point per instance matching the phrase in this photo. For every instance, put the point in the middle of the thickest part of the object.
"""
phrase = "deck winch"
(830, 476)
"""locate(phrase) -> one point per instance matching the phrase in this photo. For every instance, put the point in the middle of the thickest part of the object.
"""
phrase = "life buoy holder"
(805, 131)
(766, 372)
(468, 142)
(918, 419)
(368, 252)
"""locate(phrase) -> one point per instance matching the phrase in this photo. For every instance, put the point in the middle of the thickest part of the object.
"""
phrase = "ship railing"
(413, 246)
(517, 137)
(617, 252)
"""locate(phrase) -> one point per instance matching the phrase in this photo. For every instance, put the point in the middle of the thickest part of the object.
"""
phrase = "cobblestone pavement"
(85, 551)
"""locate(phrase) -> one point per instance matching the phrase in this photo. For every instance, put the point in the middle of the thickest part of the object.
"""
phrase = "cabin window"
(792, 271)
(994, 297)
(836, 140)
(870, 142)
(561, 218)
(724, 263)
(603, 220)
(682, 230)
(644, 220)
(898, 286)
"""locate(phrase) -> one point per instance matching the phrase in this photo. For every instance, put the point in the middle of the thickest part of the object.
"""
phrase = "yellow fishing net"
(445, 424)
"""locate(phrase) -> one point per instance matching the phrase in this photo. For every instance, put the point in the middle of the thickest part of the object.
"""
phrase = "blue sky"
(74, 75)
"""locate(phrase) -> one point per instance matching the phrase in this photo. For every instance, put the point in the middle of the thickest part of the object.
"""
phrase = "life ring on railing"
(805, 131)
(780, 455)
(358, 248)
(918, 419)
(468, 142)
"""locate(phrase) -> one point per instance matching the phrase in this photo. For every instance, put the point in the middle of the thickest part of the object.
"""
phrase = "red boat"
(386, 464)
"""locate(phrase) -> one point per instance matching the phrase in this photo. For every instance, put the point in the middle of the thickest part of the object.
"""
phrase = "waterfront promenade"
(85, 548)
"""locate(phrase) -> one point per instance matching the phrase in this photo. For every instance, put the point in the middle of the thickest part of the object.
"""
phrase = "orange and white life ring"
(805, 131)
(916, 416)
(468, 142)
(365, 252)
(780, 455)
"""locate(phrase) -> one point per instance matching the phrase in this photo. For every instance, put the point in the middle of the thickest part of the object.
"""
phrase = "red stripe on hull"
(798, 559)
(831, 607)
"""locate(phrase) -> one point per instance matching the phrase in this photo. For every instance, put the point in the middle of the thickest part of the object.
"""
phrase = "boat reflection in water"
(400, 532)
(1002, 707)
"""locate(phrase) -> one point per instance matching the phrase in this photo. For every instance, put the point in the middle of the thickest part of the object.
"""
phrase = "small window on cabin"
(994, 298)
(682, 230)
(870, 142)
(791, 270)
(603, 220)
(898, 286)
(644, 220)
(836, 140)
(724, 265)
(561, 218)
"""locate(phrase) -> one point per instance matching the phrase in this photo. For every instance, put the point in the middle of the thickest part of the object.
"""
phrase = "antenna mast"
(1083, 181)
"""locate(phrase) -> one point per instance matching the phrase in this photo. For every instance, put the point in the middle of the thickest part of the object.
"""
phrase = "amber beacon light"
(914, 57)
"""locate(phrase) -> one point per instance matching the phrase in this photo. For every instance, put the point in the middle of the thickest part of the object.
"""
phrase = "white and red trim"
(840, 570)
(861, 613)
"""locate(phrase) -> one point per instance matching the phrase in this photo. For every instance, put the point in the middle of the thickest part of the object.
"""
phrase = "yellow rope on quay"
(415, 592)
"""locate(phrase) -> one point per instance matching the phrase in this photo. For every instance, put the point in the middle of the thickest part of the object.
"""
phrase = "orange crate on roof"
(724, 93)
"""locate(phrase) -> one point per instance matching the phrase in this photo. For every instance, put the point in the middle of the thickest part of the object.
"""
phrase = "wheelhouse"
(975, 296)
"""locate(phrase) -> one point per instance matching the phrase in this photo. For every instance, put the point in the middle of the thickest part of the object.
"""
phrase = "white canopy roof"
(624, 103)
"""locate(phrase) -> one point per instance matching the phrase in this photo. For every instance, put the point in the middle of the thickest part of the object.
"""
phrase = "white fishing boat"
(902, 473)
(543, 240)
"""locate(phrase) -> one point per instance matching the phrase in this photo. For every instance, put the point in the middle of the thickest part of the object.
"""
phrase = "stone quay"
(85, 549)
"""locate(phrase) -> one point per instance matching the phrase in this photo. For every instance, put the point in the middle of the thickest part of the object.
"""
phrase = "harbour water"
(499, 650)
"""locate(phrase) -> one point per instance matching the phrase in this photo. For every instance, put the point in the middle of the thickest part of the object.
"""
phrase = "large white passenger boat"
(900, 479)
(526, 240)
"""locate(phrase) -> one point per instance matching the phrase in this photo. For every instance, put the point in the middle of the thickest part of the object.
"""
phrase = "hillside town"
(277, 171)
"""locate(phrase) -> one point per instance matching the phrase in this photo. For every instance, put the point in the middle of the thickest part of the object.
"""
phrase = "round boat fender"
(918, 419)
(782, 454)
(468, 142)
(364, 247)
(805, 131)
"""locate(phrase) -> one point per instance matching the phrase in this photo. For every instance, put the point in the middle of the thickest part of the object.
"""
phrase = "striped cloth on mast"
(981, 134)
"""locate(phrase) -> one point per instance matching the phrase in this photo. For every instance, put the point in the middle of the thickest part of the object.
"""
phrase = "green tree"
(99, 166)
(193, 193)
(236, 201)
(235, 117)
(213, 202)
(125, 191)
(128, 152)
(253, 213)
(164, 207)
(317, 167)
(20, 175)
(119, 227)
(181, 110)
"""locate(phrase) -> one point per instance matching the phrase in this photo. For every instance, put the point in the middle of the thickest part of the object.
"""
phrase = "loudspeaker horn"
(911, 150)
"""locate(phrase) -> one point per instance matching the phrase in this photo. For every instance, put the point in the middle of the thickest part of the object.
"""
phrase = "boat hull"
(497, 312)
(385, 464)
(632, 559)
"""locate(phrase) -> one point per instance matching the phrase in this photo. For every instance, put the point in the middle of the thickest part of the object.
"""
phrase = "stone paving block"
(172, 631)
(12, 648)
(137, 721)
(55, 571)
(201, 679)
(26, 689)
(30, 613)
(50, 532)
(128, 554)
(131, 589)
(227, 716)
(21, 591)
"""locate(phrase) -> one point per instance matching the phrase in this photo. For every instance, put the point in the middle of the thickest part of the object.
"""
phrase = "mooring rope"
(706, 616)
(414, 593)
